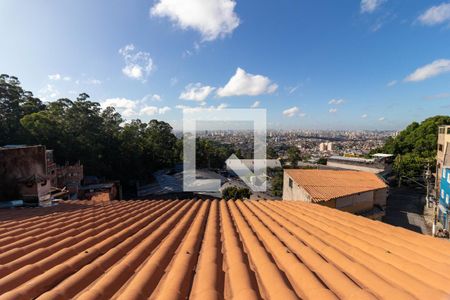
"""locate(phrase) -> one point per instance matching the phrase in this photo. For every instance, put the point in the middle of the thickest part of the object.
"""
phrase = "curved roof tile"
(214, 250)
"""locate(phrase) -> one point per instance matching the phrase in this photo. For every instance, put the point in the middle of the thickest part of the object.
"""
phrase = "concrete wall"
(18, 167)
(296, 192)
(356, 203)
(70, 176)
(380, 197)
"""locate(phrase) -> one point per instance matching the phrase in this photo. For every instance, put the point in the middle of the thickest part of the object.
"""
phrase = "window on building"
(442, 193)
(448, 130)
(446, 199)
(290, 183)
(440, 147)
(441, 130)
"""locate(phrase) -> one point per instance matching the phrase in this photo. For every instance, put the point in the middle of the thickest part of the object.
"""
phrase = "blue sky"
(323, 64)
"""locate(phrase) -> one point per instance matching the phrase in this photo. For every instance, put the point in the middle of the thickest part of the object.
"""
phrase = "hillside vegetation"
(81, 130)
(415, 146)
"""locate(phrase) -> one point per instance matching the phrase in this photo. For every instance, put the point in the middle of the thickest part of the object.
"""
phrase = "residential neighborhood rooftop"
(213, 249)
(325, 185)
(353, 159)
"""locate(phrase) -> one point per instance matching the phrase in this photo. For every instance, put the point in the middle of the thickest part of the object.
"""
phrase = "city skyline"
(370, 64)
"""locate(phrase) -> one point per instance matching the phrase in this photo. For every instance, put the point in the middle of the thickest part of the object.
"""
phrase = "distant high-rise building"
(322, 147)
(330, 146)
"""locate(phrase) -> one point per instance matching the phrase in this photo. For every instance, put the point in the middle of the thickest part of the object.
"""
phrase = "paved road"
(405, 209)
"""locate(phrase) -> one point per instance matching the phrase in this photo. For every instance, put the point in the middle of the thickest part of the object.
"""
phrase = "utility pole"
(435, 210)
(435, 216)
(428, 181)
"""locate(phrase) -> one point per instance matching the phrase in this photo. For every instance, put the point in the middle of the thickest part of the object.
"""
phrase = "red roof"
(325, 185)
(214, 250)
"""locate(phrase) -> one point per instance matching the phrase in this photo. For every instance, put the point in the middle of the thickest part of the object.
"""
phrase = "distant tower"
(330, 146)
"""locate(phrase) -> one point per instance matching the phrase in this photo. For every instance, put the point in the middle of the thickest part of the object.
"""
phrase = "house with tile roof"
(213, 249)
(352, 191)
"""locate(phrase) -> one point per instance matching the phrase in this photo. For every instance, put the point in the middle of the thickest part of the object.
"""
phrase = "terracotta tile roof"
(214, 250)
(324, 185)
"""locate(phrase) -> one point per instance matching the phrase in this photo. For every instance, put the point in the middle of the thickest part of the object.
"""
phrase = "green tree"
(293, 156)
(271, 153)
(322, 161)
(15, 103)
(212, 154)
(277, 182)
(415, 146)
(235, 193)
(420, 139)
(82, 130)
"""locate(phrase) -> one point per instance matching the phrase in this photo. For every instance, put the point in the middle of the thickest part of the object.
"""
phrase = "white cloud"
(381, 119)
(202, 108)
(152, 97)
(164, 109)
(363, 116)
(392, 83)
(56, 77)
(138, 64)
(48, 93)
(369, 6)
(436, 68)
(332, 110)
(124, 106)
(196, 92)
(222, 106)
(436, 15)
(119, 103)
(292, 89)
(93, 81)
(212, 18)
(290, 112)
(243, 83)
(255, 104)
(149, 110)
(156, 97)
(133, 108)
(438, 96)
(153, 110)
(336, 101)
